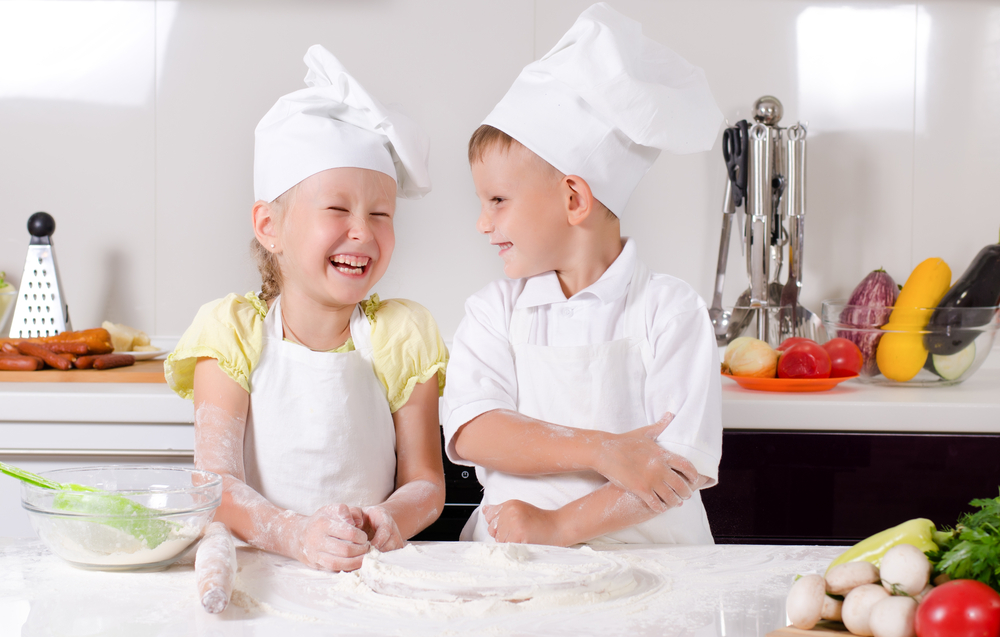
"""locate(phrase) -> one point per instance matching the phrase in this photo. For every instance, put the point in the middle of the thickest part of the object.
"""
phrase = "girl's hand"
(332, 539)
(382, 531)
(634, 462)
(517, 521)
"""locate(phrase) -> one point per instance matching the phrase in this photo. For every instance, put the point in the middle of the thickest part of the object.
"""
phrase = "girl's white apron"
(587, 387)
(319, 430)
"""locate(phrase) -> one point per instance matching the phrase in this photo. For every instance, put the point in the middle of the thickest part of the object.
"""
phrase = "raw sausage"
(96, 341)
(68, 347)
(107, 361)
(50, 357)
(84, 362)
(15, 363)
(215, 568)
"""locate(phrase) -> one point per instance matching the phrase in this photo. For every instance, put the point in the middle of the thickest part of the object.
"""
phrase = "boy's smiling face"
(523, 209)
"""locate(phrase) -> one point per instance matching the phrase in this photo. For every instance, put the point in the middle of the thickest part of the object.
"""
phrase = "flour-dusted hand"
(520, 522)
(381, 529)
(634, 462)
(332, 538)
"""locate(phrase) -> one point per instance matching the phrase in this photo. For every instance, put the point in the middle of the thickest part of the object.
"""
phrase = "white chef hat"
(336, 123)
(605, 101)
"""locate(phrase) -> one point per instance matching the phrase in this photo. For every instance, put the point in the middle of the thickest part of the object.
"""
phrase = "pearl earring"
(272, 245)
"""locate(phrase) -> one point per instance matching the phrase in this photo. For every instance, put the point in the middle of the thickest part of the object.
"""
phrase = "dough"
(470, 571)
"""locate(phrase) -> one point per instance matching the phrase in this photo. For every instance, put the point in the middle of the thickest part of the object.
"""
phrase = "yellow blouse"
(407, 348)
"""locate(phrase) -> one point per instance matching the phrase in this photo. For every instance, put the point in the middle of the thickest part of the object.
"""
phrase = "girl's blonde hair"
(267, 261)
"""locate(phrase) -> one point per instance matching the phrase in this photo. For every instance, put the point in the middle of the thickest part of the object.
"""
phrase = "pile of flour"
(95, 544)
(454, 580)
(505, 572)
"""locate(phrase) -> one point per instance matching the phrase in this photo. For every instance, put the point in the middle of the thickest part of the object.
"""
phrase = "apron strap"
(361, 333)
(520, 324)
(272, 321)
(635, 311)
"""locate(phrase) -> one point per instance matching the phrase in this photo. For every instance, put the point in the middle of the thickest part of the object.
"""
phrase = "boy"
(557, 374)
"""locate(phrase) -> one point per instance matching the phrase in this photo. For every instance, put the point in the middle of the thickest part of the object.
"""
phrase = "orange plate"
(789, 384)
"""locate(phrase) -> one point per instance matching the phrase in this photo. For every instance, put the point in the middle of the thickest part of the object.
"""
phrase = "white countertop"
(702, 591)
(969, 407)
(972, 406)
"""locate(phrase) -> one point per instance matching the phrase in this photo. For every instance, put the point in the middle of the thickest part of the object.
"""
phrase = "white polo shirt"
(683, 379)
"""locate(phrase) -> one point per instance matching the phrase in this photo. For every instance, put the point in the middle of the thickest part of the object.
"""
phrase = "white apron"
(319, 430)
(587, 387)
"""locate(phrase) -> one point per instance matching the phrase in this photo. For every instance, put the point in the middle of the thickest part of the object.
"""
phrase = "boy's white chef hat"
(336, 123)
(605, 101)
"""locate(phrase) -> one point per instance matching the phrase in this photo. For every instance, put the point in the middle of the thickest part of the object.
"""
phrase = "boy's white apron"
(319, 430)
(587, 387)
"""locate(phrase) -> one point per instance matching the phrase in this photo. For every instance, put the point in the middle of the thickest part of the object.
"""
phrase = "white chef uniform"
(613, 357)
(319, 429)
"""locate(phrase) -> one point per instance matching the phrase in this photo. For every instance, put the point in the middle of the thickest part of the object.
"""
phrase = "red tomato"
(845, 357)
(959, 608)
(793, 340)
(804, 360)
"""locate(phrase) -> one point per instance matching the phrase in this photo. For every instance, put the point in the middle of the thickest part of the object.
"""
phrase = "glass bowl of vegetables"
(121, 518)
(925, 347)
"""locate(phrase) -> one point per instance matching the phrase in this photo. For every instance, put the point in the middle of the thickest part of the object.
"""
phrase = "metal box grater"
(41, 308)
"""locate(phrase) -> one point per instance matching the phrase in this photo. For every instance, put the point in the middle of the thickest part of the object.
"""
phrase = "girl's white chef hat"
(336, 123)
(605, 101)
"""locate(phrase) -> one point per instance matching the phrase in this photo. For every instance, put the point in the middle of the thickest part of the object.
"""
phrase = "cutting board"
(823, 629)
(141, 372)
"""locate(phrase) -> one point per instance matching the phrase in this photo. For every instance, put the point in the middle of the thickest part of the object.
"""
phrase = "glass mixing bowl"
(953, 352)
(141, 518)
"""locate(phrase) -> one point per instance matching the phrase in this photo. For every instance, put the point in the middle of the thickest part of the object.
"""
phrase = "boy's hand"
(634, 462)
(382, 530)
(517, 521)
(332, 539)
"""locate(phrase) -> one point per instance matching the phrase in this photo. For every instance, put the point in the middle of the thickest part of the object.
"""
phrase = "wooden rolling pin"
(215, 568)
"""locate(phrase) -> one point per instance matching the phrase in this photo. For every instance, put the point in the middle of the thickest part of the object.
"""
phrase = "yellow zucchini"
(901, 352)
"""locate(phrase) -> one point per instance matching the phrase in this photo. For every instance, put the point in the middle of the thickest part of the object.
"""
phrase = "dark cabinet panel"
(837, 488)
(801, 487)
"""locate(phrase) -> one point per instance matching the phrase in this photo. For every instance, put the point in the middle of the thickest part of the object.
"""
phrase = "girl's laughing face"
(336, 236)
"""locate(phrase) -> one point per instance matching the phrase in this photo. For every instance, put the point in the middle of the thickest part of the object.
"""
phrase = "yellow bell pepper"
(919, 532)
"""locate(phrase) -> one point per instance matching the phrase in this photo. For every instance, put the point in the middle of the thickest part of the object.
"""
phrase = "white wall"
(131, 122)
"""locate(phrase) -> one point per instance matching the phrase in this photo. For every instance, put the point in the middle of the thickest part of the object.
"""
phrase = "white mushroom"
(893, 617)
(832, 609)
(905, 570)
(842, 578)
(858, 607)
(805, 601)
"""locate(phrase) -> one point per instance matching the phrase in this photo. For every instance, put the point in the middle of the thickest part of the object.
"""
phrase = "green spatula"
(109, 509)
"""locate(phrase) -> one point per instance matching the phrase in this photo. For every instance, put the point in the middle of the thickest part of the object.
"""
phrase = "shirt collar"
(544, 289)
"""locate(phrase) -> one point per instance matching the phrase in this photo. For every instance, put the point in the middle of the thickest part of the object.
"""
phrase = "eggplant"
(970, 303)
(869, 307)
(952, 366)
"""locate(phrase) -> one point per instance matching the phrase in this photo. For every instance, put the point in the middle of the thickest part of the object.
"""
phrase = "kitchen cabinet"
(47, 426)
(835, 467)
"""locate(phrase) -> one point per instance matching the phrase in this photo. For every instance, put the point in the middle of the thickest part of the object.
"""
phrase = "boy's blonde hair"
(267, 261)
(487, 138)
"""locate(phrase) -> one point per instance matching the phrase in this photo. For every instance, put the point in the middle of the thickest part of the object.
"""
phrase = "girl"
(318, 407)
